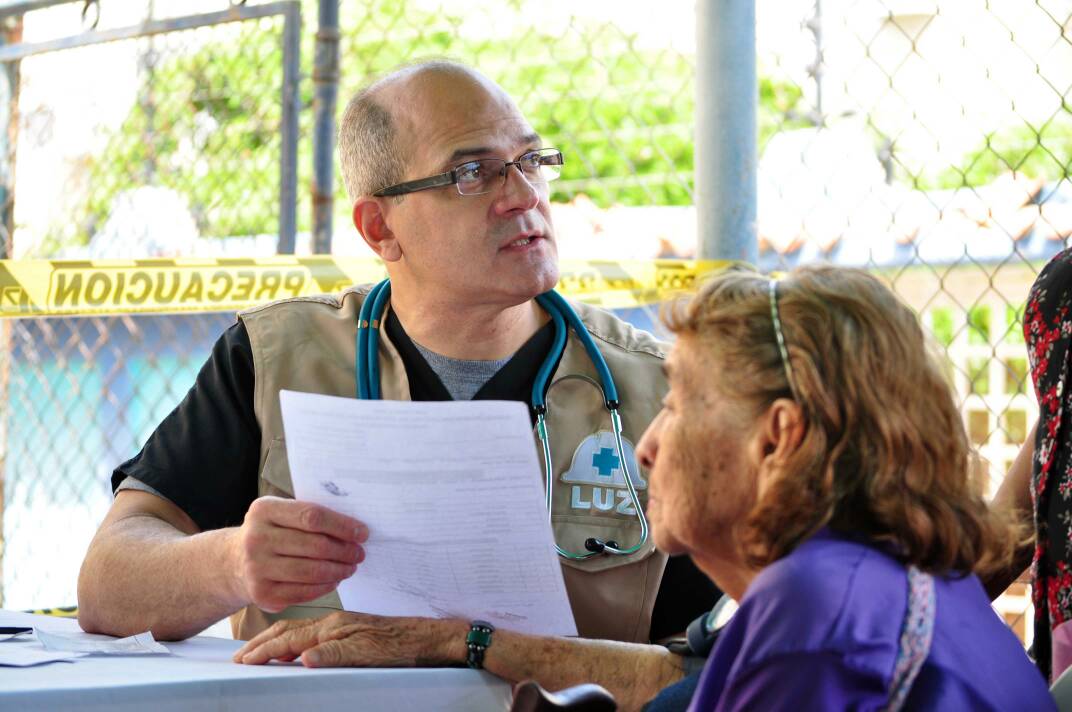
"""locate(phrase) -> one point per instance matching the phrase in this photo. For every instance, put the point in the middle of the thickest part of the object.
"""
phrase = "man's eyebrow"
(531, 139)
(468, 152)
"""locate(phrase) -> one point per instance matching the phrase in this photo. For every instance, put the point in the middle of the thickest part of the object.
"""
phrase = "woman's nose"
(648, 446)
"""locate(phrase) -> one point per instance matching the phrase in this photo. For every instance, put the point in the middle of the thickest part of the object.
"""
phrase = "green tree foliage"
(1044, 152)
(779, 109)
(207, 125)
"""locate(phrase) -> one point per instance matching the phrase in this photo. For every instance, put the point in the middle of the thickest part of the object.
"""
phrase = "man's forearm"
(632, 673)
(141, 574)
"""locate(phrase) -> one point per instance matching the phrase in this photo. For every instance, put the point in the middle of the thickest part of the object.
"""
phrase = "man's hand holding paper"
(452, 495)
(291, 552)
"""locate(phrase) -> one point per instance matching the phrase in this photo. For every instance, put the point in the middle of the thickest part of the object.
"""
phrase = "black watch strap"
(477, 641)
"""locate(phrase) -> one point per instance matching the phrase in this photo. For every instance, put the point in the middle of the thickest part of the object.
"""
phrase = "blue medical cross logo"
(606, 462)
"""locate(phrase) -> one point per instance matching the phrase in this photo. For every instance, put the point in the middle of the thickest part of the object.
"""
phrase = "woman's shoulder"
(827, 568)
(832, 595)
(835, 607)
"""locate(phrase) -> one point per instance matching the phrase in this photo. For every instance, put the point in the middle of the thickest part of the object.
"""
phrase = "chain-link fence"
(927, 141)
(83, 394)
(138, 129)
(930, 142)
(142, 133)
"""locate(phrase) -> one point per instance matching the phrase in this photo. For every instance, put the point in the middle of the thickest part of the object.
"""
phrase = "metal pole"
(147, 100)
(726, 97)
(236, 13)
(6, 349)
(326, 80)
(815, 24)
(10, 33)
(20, 7)
(288, 162)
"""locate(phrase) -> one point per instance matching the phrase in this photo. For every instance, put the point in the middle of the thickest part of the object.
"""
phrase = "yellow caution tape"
(30, 288)
(60, 612)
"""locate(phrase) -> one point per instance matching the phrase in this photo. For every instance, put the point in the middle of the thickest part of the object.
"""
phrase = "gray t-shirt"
(461, 377)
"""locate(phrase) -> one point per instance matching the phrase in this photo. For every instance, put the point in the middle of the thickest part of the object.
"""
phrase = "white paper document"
(453, 496)
(28, 654)
(11, 636)
(140, 644)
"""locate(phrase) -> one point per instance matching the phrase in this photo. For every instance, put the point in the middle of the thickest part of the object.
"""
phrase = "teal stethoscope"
(563, 317)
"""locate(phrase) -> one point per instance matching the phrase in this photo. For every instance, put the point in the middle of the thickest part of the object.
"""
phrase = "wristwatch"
(477, 641)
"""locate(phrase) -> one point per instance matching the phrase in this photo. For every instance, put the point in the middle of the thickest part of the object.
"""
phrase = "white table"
(199, 675)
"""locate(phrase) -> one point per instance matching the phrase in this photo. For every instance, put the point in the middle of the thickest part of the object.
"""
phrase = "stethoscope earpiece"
(598, 546)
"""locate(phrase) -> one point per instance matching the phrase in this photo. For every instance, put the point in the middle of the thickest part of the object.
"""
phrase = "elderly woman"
(811, 459)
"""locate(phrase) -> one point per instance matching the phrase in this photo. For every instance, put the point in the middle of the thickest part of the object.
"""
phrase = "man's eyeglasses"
(487, 174)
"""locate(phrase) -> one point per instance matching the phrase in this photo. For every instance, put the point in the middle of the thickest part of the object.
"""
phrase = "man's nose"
(517, 192)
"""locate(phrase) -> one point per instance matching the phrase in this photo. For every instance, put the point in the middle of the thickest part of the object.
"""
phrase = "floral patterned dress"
(1048, 333)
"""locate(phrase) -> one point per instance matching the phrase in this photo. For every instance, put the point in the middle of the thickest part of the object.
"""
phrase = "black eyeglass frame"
(451, 176)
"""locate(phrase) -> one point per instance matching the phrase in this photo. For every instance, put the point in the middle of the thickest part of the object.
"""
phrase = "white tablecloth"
(199, 675)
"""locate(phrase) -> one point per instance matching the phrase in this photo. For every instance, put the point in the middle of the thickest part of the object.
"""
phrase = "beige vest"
(307, 344)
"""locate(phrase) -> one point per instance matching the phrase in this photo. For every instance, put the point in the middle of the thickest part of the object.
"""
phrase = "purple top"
(819, 630)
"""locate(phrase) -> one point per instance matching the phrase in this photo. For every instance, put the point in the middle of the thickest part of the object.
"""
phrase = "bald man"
(449, 187)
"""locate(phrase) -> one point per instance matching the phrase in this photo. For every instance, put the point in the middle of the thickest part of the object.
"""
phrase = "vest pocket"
(571, 531)
(275, 473)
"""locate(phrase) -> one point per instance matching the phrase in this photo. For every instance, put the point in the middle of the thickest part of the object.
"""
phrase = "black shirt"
(213, 440)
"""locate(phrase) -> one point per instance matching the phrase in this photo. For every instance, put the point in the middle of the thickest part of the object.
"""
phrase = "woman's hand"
(346, 639)
(1013, 499)
(633, 673)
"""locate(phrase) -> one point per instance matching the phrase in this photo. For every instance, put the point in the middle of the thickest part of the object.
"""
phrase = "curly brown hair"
(884, 454)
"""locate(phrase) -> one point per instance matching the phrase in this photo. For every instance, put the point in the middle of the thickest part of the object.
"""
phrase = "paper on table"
(10, 636)
(453, 497)
(140, 644)
(26, 654)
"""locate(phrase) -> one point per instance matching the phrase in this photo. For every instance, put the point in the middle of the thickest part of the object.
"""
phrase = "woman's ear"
(778, 434)
(371, 221)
